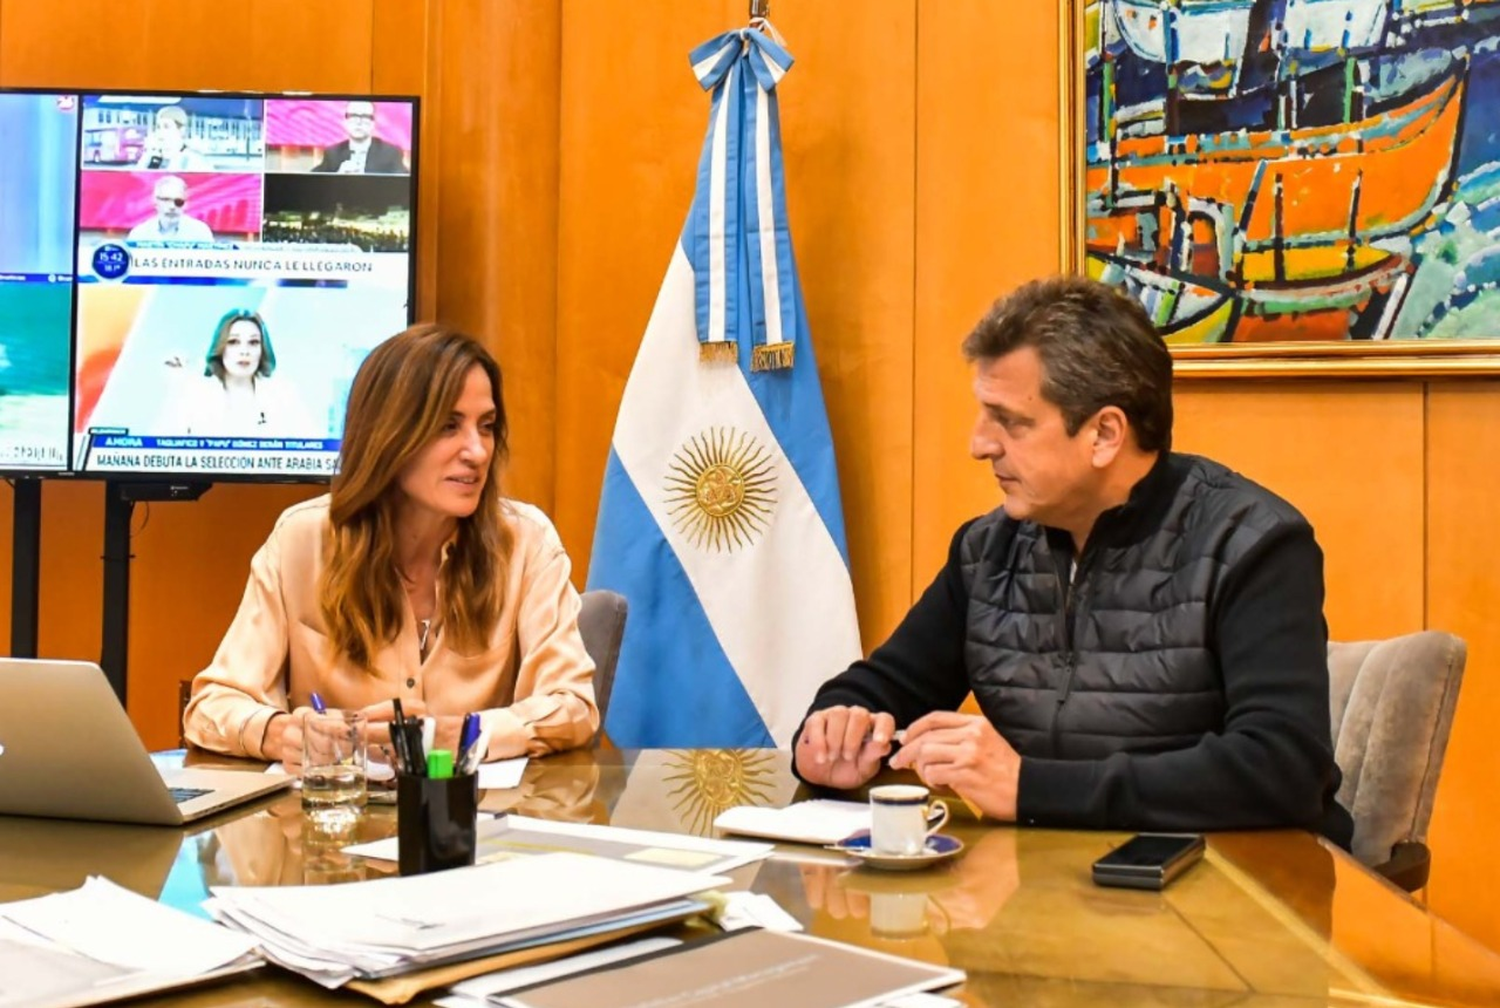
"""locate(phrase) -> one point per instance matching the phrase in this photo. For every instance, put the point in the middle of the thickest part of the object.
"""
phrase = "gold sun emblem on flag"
(722, 486)
(705, 782)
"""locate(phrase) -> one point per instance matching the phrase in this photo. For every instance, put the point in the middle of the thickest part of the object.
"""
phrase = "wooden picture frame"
(1328, 206)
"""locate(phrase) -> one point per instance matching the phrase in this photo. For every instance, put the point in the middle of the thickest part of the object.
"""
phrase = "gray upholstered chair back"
(601, 623)
(1392, 704)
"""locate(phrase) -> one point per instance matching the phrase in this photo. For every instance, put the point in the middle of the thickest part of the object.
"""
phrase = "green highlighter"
(440, 764)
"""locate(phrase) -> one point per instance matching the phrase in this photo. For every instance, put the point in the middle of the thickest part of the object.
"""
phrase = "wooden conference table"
(1270, 918)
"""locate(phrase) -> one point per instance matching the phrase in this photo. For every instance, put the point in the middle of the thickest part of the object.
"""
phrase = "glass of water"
(333, 763)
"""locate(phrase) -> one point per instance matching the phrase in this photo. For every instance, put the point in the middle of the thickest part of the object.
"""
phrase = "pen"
(398, 743)
(416, 751)
(476, 753)
(317, 703)
(429, 734)
(466, 736)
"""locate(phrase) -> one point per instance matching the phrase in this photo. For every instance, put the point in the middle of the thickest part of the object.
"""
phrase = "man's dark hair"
(1097, 346)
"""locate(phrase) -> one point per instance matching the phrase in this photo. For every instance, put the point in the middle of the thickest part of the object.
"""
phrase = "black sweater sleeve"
(1273, 763)
(920, 668)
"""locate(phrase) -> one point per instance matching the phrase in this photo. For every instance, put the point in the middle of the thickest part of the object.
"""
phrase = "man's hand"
(963, 752)
(841, 747)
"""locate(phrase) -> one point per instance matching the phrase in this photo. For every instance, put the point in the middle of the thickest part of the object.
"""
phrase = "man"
(1142, 630)
(170, 223)
(166, 149)
(363, 153)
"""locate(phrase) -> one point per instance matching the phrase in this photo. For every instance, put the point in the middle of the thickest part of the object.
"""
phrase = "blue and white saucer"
(940, 847)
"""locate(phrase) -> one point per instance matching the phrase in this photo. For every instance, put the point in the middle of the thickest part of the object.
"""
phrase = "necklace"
(423, 626)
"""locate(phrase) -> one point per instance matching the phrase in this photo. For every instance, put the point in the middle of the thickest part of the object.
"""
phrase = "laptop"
(68, 751)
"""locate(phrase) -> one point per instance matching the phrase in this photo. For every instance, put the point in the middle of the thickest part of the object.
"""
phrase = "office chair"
(601, 623)
(1392, 704)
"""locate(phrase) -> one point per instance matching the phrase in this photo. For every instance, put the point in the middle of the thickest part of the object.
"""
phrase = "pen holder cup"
(435, 822)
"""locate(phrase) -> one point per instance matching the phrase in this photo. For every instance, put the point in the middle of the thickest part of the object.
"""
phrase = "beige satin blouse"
(532, 684)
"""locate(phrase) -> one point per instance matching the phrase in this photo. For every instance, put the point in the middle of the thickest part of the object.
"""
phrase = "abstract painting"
(1294, 178)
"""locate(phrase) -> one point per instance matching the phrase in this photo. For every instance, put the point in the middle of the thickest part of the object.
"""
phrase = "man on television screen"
(170, 223)
(363, 153)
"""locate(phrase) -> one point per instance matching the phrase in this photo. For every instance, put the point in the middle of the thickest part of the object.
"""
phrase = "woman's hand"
(283, 741)
(378, 718)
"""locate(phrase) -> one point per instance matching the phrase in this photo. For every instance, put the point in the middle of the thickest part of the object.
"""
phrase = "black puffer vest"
(1124, 659)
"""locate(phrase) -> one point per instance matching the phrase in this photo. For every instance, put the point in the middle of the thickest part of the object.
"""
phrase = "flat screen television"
(234, 258)
(38, 158)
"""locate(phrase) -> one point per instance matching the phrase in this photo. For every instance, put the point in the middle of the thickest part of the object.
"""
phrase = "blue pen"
(318, 704)
(467, 735)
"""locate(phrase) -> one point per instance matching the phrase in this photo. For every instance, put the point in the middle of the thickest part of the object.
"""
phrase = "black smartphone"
(1149, 860)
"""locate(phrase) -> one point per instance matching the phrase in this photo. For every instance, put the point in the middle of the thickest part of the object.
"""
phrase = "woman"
(236, 397)
(413, 578)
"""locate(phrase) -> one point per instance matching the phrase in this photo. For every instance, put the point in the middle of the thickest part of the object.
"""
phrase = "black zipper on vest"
(1070, 664)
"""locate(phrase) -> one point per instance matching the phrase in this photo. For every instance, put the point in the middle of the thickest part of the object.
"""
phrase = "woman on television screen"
(237, 395)
(412, 579)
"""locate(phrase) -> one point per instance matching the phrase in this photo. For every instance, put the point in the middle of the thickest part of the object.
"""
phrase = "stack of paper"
(819, 821)
(101, 942)
(391, 926)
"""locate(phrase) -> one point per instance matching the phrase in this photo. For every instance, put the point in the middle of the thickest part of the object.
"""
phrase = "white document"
(426, 912)
(111, 924)
(819, 821)
(515, 835)
(747, 909)
(502, 774)
(922, 1000)
(391, 925)
(101, 943)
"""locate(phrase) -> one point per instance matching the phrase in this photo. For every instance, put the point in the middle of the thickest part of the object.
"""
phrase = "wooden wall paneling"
(255, 45)
(1463, 597)
(633, 125)
(7, 518)
(848, 117)
(493, 80)
(71, 578)
(190, 560)
(1349, 456)
(403, 60)
(987, 205)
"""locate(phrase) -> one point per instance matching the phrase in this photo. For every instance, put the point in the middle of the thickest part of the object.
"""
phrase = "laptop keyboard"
(185, 794)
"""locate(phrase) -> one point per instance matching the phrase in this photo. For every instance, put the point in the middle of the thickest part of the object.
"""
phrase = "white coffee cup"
(902, 818)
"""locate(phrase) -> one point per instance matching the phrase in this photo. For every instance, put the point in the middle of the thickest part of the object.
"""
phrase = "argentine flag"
(720, 519)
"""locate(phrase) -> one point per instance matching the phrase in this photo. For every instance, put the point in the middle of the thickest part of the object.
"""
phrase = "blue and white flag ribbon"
(739, 218)
(720, 519)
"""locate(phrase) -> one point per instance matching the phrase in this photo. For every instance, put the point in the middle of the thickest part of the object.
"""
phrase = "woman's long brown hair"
(402, 396)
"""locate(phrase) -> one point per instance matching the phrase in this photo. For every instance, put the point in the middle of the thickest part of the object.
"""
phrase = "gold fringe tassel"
(772, 357)
(719, 352)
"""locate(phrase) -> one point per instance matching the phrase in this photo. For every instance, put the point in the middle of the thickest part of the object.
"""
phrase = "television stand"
(120, 499)
(25, 565)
